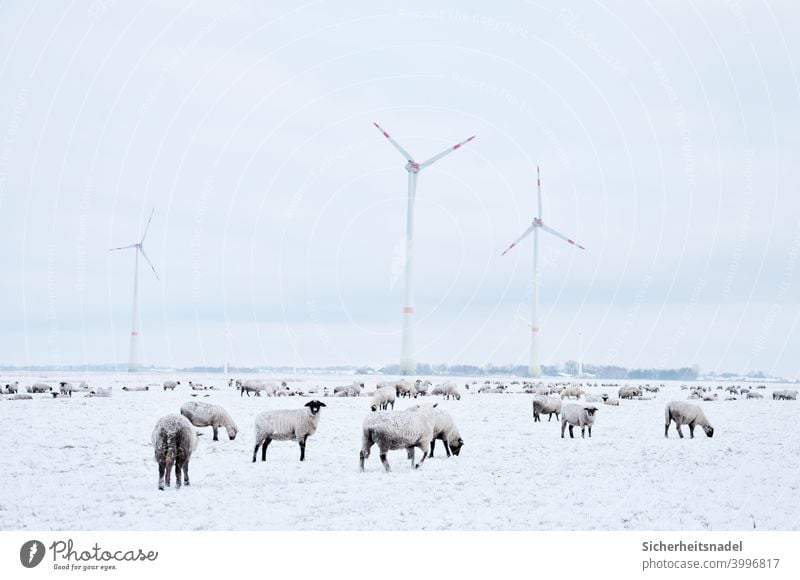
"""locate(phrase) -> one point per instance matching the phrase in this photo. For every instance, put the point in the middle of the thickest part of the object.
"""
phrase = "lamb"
(684, 413)
(390, 430)
(170, 385)
(383, 398)
(576, 415)
(39, 388)
(174, 440)
(543, 405)
(444, 428)
(11, 388)
(287, 425)
(206, 415)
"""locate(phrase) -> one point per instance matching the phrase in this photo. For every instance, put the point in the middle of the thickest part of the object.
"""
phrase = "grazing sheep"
(609, 401)
(206, 415)
(136, 389)
(576, 415)
(571, 392)
(390, 430)
(383, 398)
(628, 392)
(11, 388)
(451, 390)
(437, 390)
(174, 440)
(710, 397)
(287, 425)
(684, 413)
(444, 428)
(170, 385)
(754, 395)
(543, 405)
(353, 390)
(422, 387)
(787, 395)
(39, 388)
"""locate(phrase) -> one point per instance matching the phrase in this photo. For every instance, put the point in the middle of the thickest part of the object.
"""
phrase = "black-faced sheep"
(628, 392)
(383, 398)
(549, 406)
(287, 425)
(390, 430)
(170, 385)
(684, 413)
(65, 388)
(174, 440)
(206, 415)
(444, 429)
(576, 415)
(11, 388)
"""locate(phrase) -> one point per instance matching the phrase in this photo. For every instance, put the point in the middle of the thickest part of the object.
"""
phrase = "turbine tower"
(535, 368)
(408, 364)
(133, 363)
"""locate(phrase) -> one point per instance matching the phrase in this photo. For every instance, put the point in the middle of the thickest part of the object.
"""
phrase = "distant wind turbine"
(133, 363)
(408, 364)
(535, 368)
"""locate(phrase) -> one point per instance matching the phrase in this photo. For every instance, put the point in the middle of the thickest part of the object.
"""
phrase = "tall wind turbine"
(133, 363)
(408, 365)
(535, 369)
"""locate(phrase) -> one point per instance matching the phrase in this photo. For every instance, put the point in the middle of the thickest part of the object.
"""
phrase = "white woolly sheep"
(710, 397)
(353, 390)
(170, 385)
(39, 388)
(614, 402)
(11, 388)
(65, 388)
(287, 425)
(576, 415)
(787, 395)
(99, 392)
(754, 395)
(174, 440)
(437, 390)
(570, 392)
(628, 392)
(383, 398)
(451, 390)
(684, 413)
(207, 415)
(543, 405)
(444, 429)
(137, 388)
(390, 430)
(20, 397)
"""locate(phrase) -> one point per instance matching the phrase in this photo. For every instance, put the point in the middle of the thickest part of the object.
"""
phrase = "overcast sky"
(667, 132)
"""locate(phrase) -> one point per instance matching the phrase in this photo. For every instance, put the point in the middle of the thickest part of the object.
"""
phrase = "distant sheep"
(383, 398)
(353, 390)
(787, 395)
(754, 395)
(174, 440)
(543, 405)
(287, 425)
(20, 397)
(170, 385)
(576, 415)
(206, 415)
(571, 392)
(628, 392)
(105, 393)
(684, 413)
(409, 429)
(138, 388)
(39, 388)
(11, 388)
(614, 402)
(451, 390)
(65, 388)
(444, 429)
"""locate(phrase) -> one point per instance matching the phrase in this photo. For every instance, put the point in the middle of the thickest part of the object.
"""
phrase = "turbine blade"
(122, 248)
(144, 235)
(397, 145)
(436, 158)
(524, 235)
(550, 230)
(141, 249)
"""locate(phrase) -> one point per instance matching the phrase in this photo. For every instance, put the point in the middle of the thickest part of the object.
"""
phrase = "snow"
(87, 464)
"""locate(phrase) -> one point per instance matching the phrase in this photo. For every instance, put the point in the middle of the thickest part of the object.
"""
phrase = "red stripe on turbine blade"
(457, 146)
(408, 310)
(534, 329)
(134, 333)
(385, 134)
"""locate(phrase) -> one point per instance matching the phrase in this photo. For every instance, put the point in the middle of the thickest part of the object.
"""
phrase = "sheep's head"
(232, 431)
(590, 410)
(709, 430)
(374, 406)
(455, 446)
(314, 406)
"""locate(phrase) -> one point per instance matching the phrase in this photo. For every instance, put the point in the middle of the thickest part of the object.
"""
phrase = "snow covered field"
(87, 464)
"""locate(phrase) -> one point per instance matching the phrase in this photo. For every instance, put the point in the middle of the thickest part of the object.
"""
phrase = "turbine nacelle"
(412, 166)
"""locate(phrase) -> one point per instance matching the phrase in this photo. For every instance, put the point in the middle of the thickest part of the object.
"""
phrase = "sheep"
(710, 397)
(572, 392)
(196, 386)
(451, 390)
(422, 387)
(206, 415)
(39, 388)
(407, 430)
(287, 425)
(353, 390)
(787, 395)
(100, 392)
(170, 385)
(609, 401)
(684, 413)
(403, 388)
(628, 392)
(754, 395)
(652, 389)
(575, 415)
(20, 397)
(543, 405)
(11, 388)
(174, 440)
(383, 398)
(139, 388)
(437, 390)
(444, 428)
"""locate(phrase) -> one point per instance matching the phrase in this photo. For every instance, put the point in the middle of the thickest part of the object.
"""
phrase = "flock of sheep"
(174, 438)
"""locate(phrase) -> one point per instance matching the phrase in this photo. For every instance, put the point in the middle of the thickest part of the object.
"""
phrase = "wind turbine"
(408, 365)
(133, 364)
(535, 368)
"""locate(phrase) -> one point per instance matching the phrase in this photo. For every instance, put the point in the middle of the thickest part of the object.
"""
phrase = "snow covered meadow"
(87, 464)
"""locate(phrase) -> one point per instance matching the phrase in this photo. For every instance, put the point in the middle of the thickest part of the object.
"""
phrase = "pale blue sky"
(667, 132)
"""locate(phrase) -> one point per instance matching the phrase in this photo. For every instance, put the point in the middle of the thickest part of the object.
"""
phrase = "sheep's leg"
(161, 466)
(303, 448)
(666, 431)
(267, 441)
(583, 432)
(168, 471)
(424, 455)
(571, 436)
(411, 452)
(563, 426)
(446, 448)
(691, 430)
(433, 442)
(384, 461)
(178, 468)
(678, 429)
(185, 472)
(255, 451)
(216, 432)
(590, 431)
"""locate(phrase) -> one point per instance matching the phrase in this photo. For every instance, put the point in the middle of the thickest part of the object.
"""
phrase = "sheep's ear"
(321, 404)
(435, 405)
